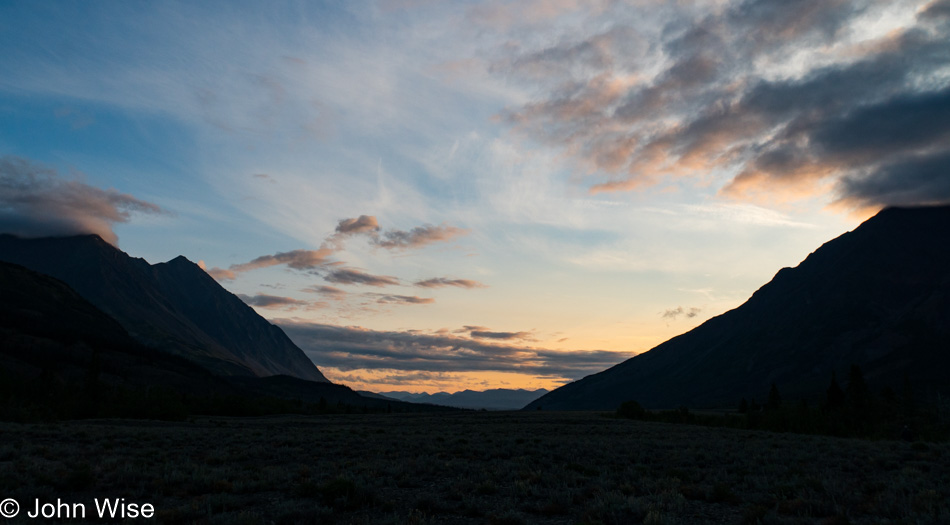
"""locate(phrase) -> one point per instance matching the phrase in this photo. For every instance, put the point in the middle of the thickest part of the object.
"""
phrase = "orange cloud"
(361, 224)
(296, 259)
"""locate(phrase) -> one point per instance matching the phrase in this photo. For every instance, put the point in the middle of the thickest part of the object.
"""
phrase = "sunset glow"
(489, 194)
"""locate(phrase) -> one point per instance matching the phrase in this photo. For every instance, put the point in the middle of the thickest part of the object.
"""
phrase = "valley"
(473, 467)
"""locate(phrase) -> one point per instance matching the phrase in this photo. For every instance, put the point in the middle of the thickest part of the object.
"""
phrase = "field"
(475, 467)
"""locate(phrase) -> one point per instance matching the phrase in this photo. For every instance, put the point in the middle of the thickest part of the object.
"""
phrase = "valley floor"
(475, 467)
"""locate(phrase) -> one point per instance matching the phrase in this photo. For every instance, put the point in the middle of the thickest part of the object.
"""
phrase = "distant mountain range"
(494, 399)
(877, 297)
(175, 306)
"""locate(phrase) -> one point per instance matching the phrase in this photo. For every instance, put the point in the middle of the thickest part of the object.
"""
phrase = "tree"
(857, 393)
(743, 406)
(631, 409)
(907, 398)
(859, 413)
(775, 399)
(834, 396)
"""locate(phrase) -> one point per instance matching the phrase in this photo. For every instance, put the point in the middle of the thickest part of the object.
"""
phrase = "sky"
(434, 196)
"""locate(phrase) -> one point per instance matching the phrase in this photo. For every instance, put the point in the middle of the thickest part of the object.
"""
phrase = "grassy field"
(502, 468)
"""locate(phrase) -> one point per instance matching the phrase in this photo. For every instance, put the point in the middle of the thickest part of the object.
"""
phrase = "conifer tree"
(775, 399)
(857, 393)
(834, 396)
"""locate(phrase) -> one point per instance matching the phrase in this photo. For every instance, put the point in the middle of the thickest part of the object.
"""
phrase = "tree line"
(852, 411)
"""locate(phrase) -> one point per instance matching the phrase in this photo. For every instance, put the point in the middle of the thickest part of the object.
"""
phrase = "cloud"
(327, 291)
(916, 179)
(419, 236)
(503, 14)
(937, 9)
(673, 313)
(402, 299)
(483, 334)
(296, 259)
(784, 100)
(397, 378)
(441, 282)
(221, 274)
(362, 224)
(469, 328)
(273, 301)
(355, 348)
(36, 202)
(321, 258)
(351, 276)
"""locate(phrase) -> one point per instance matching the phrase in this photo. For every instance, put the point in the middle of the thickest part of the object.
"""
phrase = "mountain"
(62, 357)
(495, 399)
(48, 328)
(174, 306)
(878, 297)
(374, 395)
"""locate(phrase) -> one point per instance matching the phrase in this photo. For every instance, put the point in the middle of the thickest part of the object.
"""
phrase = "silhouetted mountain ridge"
(174, 306)
(61, 356)
(46, 328)
(878, 297)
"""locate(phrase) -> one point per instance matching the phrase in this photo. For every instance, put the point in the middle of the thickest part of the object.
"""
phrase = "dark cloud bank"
(351, 348)
(868, 120)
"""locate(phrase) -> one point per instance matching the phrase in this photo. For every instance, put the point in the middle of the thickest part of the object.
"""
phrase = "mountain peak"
(183, 262)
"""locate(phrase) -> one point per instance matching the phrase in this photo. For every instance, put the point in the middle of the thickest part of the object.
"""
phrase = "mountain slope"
(173, 306)
(60, 356)
(48, 328)
(878, 296)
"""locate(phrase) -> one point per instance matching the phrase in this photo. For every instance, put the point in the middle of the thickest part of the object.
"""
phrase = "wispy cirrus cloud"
(35, 201)
(355, 348)
(785, 99)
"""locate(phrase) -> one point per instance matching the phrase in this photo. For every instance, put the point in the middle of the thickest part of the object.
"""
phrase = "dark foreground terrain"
(470, 468)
